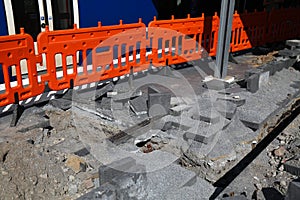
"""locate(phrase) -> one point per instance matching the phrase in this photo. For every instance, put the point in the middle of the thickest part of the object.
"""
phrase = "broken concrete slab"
(139, 105)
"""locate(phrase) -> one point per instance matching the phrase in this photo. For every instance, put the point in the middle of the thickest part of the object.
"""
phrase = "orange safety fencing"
(178, 39)
(97, 55)
(100, 53)
(248, 30)
(14, 50)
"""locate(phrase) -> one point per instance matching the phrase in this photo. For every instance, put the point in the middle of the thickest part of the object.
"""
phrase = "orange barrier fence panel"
(283, 24)
(96, 48)
(175, 41)
(17, 53)
(210, 35)
(248, 30)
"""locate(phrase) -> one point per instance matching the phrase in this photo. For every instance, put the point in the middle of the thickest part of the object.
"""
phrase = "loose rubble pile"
(154, 138)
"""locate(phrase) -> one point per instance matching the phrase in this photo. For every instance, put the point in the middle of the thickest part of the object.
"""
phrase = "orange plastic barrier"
(175, 41)
(14, 50)
(283, 24)
(210, 35)
(248, 30)
(81, 56)
(98, 47)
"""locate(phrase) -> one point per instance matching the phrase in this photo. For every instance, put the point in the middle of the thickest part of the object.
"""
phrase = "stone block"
(263, 79)
(177, 110)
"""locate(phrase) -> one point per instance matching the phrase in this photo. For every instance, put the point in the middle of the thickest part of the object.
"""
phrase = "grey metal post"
(226, 16)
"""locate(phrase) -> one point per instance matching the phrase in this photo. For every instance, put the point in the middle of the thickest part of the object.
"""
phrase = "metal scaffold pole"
(226, 16)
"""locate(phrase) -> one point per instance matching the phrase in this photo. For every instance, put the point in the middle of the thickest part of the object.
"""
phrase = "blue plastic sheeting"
(110, 12)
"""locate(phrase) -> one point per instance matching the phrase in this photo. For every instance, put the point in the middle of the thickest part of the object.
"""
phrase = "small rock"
(88, 183)
(76, 163)
(283, 183)
(4, 173)
(71, 178)
(44, 176)
(258, 186)
(73, 189)
(281, 168)
(280, 151)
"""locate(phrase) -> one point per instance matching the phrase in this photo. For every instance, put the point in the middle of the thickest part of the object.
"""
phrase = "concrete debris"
(62, 103)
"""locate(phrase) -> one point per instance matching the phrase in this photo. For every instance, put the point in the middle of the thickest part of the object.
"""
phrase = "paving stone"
(115, 169)
(106, 103)
(254, 115)
(204, 111)
(293, 192)
(62, 104)
(226, 108)
(125, 96)
(131, 185)
(158, 104)
(216, 84)
(174, 182)
(139, 105)
(253, 83)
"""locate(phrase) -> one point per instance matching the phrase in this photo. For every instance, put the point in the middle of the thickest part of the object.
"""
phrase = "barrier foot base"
(17, 113)
(167, 71)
